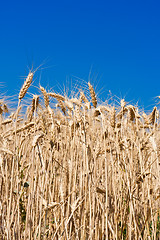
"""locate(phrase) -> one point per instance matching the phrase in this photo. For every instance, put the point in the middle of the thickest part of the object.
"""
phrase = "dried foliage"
(79, 172)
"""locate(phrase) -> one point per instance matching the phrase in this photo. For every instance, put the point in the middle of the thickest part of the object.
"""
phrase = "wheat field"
(73, 168)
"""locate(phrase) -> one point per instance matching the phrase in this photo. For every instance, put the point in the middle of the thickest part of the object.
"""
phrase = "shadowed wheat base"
(79, 170)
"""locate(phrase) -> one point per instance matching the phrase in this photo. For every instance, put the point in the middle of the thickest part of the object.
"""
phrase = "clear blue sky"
(117, 42)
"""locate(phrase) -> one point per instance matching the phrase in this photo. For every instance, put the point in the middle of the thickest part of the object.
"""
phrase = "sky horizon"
(114, 44)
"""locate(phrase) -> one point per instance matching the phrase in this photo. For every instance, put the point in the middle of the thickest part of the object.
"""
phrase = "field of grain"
(72, 168)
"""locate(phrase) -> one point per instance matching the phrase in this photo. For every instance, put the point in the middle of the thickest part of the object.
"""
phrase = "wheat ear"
(152, 116)
(62, 106)
(34, 105)
(26, 85)
(131, 112)
(93, 95)
(83, 97)
(57, 96)
(113, 117)
(146, 118)
(45, 95)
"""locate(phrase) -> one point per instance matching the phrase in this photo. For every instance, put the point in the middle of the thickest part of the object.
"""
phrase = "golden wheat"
(45, 95)
(33, 107)
(93, 95)
(26, 85)
(79, 172)
(83, 97)
(57, 96)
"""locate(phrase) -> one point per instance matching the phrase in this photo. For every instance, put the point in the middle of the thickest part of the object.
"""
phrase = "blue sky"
(116, 43)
